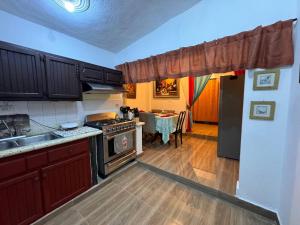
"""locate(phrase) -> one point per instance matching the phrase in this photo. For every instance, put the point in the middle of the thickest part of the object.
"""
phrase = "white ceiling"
(108, 24)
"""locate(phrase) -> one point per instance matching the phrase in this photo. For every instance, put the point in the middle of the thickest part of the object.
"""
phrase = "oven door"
(116, 145)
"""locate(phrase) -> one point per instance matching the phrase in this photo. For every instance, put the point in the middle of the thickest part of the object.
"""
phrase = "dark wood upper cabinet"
(62, 78)
(28, 74)
(91, 73)
(113, 77)
(20, 73)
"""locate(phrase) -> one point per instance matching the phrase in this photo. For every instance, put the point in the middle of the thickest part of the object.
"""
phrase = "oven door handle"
(109, 137)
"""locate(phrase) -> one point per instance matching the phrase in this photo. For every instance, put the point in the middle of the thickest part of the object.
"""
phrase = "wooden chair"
(179, 125)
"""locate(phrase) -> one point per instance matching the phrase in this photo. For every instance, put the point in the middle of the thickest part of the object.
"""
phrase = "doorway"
(205, 111)
(206, 155)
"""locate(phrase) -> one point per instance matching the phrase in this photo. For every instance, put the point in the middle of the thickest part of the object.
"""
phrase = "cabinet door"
(113, 77)
(63, 181)
(20, 200)
(91, 73)
(62, 78)
(20, 73)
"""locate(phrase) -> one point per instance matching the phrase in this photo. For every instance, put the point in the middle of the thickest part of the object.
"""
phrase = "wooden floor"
(197, 160)
(139, 197)
(205, 129)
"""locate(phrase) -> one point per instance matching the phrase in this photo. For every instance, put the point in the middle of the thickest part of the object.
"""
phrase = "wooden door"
(20, 200)
(63, 181)
(206, 108)
(91, 73)
(113, 77)
(20, 73)
(63, 78)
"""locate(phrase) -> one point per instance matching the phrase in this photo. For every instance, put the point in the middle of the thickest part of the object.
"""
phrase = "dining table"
(166, 125)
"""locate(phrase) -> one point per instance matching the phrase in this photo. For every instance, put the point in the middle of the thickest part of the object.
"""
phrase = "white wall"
(145, 100)
(143, 97)
(290, 194)
(206, 21)
(263, 145)
(19, 31)
(22, 32)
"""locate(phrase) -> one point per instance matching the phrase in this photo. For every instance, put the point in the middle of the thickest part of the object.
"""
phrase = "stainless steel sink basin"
(37, 138)
(14, 142)
(4, 145)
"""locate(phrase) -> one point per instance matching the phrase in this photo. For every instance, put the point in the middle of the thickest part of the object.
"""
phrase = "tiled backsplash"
(54, 113)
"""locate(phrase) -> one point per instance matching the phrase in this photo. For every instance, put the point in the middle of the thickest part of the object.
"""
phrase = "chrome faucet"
(7, 127)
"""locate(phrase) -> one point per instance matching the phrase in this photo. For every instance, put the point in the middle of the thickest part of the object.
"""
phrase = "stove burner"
(102, 123)
(112, 125)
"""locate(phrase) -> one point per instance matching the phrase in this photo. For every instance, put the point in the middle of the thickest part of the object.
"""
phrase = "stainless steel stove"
(116, 146)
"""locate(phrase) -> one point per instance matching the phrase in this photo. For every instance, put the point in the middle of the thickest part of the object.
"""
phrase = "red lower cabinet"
(21, 200)
(34, 183)
(63, 181)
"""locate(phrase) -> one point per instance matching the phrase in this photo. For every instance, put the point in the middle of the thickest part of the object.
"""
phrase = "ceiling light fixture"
(74, 6)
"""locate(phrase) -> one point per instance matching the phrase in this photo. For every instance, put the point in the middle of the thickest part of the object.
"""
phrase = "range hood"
(95, 88)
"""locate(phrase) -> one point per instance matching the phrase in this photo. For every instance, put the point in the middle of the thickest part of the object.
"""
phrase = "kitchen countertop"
(140, 124)
(67, 136)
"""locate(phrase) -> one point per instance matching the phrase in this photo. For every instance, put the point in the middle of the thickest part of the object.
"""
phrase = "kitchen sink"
(4, 145)
(37, 138)
(9, 143)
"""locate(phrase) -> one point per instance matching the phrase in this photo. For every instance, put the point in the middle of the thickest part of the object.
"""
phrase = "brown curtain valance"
(263, 47)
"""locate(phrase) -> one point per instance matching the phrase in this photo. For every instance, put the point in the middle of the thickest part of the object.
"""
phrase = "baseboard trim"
(219, 194)
(82, 196)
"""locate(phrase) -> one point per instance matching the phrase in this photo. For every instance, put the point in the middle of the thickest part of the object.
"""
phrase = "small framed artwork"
(262, 110)
(168, 88)
(266, 79)
(131, 90)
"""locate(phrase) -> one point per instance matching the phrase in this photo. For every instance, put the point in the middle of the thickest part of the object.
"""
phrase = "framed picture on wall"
(262, 110)
(168, 88)
(266, 79)
(131, 91)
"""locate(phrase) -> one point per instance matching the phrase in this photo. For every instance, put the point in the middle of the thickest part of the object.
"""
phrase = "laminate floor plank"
(205, 129)
(197, 160)
(141, 197)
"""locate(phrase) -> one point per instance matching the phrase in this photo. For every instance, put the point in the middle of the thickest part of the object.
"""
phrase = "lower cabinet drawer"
(36, 161)
(12, 168)
(67, 151)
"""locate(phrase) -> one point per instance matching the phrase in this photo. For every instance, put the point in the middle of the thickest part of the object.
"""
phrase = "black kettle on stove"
(124, 110)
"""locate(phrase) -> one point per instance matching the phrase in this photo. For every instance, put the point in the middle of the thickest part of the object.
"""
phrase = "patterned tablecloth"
(166, 126)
